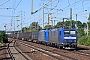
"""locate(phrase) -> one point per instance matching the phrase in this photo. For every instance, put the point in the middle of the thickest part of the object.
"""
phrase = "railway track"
(48, 52)
(16, 53)
(23, 54)
(8, 47)
(81, 53)
(53, 52)
(73, 55)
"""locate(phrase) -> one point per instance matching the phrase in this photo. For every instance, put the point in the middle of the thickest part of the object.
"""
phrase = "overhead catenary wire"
(47, 4)
(83, 11)
(8, 8)
(82, 4)
(18, 4)
(4, 2)
(55, 5)
(63, 9)
(71, 4)
(13, 13)
(74, 8)
(66, 10)
(8, 16)
(68, 2)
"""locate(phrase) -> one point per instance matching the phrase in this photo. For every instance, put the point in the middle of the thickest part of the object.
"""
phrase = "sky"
(21, 10)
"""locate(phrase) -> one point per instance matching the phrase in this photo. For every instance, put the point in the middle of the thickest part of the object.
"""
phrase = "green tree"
(81, 32)
(59, 24)
(84, 25)
(82, 40)
(87, 43)
(34, 26)
(48, 27)
(88, 24)
(73, 23)
(67, 23)
(24, 29)
(3, 37)
(79, 24)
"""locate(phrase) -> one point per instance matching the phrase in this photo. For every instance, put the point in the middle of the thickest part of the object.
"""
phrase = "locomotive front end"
(70, 38)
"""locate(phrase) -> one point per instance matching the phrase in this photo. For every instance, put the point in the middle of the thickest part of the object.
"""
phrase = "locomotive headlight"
(74, 40)
(62, 43)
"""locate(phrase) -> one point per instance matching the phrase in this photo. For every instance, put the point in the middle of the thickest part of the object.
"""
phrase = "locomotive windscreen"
(69, 32)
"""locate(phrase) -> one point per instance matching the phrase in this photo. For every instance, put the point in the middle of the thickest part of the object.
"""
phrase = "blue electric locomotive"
(60, 37)
(43, 36)
(69, 38)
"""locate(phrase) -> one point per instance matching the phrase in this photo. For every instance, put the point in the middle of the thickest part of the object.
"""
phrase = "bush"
(81, 32)
(3, 37)
(82, 40)
(87, 43)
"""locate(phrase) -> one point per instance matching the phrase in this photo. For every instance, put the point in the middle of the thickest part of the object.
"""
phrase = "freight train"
(60, 37)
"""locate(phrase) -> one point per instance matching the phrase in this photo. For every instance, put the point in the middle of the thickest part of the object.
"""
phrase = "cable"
(55, 5)
(44, 6)
(18, 4)
(4, 2)
(77, 7)
(69, 5)
(82, 4)
(8, 16)
(14, 2)
(68, 2)
(83, 11)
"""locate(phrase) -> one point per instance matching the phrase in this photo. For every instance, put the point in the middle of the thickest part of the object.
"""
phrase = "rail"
(23, 54)
(11, 55)
(51, 52)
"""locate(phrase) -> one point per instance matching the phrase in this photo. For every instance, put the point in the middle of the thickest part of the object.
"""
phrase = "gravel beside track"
(64, 52)
(35, 54)
(83, 46)
(4, 53)
(15, 53)
(33, 50)
(51, 53)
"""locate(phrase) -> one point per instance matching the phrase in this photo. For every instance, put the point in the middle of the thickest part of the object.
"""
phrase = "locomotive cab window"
(72, 32)
(66, 32)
